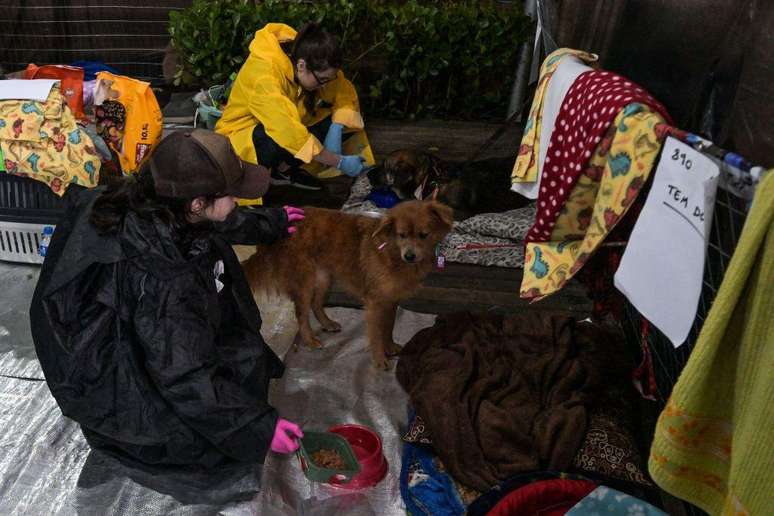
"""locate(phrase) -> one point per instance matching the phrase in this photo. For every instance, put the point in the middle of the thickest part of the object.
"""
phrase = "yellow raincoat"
(266, 93)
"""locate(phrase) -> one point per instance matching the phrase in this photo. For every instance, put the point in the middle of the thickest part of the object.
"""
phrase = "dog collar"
(422, 192)
(420, 189)
(440, 259)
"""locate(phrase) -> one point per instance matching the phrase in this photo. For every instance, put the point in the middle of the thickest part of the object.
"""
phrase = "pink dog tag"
(440, 259)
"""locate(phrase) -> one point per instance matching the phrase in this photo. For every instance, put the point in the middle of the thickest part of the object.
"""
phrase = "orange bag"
(142, 124)
(71, 79)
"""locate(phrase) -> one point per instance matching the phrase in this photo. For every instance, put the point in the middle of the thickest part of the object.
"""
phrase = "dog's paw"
(382, 363)
(314, 343)
(392, 349)
(331, 326)
(297, 342)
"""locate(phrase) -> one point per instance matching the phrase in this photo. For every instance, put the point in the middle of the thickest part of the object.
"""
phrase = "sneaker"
(296, 177)
(280, 178)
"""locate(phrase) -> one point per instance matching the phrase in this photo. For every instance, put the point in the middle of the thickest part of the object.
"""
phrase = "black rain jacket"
(140, 348)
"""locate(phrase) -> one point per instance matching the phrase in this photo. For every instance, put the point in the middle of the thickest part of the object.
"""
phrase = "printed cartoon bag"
(134, 134)
(71, 79)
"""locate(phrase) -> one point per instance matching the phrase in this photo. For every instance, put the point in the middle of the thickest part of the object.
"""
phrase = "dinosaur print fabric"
(525, 170)
(42, 140)
(589, 108)
(601, 153)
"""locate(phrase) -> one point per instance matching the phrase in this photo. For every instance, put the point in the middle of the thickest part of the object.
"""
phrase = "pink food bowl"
(367, 446)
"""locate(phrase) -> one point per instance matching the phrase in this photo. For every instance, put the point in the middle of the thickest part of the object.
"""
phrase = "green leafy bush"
(408, 59)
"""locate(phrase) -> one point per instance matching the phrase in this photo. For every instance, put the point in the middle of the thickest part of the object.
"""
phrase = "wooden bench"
(459, 287)
(475, 288)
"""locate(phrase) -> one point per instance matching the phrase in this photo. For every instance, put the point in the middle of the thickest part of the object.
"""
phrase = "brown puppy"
(381, 261)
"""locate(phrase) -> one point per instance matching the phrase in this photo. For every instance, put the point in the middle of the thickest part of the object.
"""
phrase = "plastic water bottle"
(45, 240)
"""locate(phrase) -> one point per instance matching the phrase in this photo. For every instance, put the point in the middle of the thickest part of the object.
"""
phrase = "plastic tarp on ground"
(46, 466)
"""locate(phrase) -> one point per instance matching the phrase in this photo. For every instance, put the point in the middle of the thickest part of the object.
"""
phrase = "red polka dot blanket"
(588, 110)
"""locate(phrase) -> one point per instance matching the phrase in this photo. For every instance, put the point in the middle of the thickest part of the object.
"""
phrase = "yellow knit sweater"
(714, 442)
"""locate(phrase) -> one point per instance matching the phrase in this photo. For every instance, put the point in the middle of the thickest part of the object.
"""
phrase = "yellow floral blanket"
(526, 167)
(600, 198)
(42, 141)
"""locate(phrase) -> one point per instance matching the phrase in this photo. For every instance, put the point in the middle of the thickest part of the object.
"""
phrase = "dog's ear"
(376, 176)
(385, 226)
(443, 213)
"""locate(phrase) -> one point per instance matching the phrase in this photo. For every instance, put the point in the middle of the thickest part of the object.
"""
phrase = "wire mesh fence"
(668, 362)
(132, 37)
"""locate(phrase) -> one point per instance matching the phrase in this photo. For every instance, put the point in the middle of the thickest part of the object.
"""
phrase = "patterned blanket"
(42, 141)
(493, 239)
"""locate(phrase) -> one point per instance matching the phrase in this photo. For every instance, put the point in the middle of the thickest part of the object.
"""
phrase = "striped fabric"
(131, 36)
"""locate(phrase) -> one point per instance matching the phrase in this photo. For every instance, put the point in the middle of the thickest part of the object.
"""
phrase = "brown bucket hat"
(189, 164)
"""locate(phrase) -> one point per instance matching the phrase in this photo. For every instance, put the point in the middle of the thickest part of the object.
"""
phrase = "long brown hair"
(137, 193)
(319, 49)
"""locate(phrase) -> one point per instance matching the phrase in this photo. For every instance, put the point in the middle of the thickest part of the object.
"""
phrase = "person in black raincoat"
(143, 321)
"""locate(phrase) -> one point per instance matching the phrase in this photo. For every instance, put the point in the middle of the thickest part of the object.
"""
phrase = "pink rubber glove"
(286, 436)
(294, 215)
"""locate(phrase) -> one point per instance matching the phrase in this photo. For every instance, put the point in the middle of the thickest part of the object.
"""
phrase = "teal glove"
(351, 165)
(333, 138)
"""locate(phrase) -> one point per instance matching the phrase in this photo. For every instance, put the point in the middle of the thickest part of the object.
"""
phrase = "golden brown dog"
(379, 260)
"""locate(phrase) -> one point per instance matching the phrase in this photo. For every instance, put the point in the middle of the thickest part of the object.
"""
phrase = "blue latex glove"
(333, 138)
(351, 165)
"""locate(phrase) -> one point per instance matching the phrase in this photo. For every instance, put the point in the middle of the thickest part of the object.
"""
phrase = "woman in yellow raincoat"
(291, 105)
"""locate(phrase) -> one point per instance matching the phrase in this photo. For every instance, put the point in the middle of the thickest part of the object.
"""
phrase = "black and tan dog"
(482, 186)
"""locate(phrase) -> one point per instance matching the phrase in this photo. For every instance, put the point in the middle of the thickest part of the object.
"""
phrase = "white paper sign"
(568, 70)
(20, 89)
(662, 268)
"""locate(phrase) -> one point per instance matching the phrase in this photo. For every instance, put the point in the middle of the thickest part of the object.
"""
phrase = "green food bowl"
(313, 442)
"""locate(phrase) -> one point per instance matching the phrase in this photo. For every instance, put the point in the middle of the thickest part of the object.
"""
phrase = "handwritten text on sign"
(684, 199)
(663, 248)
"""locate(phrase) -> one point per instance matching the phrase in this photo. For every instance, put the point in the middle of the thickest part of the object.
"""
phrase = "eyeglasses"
(322, 81)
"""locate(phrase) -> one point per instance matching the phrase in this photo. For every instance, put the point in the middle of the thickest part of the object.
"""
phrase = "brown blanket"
(502, 395)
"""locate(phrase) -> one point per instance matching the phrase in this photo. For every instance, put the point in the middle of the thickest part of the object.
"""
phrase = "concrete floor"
(17, 283)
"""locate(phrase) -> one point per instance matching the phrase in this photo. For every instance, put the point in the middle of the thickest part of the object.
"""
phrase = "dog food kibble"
(329, 459)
